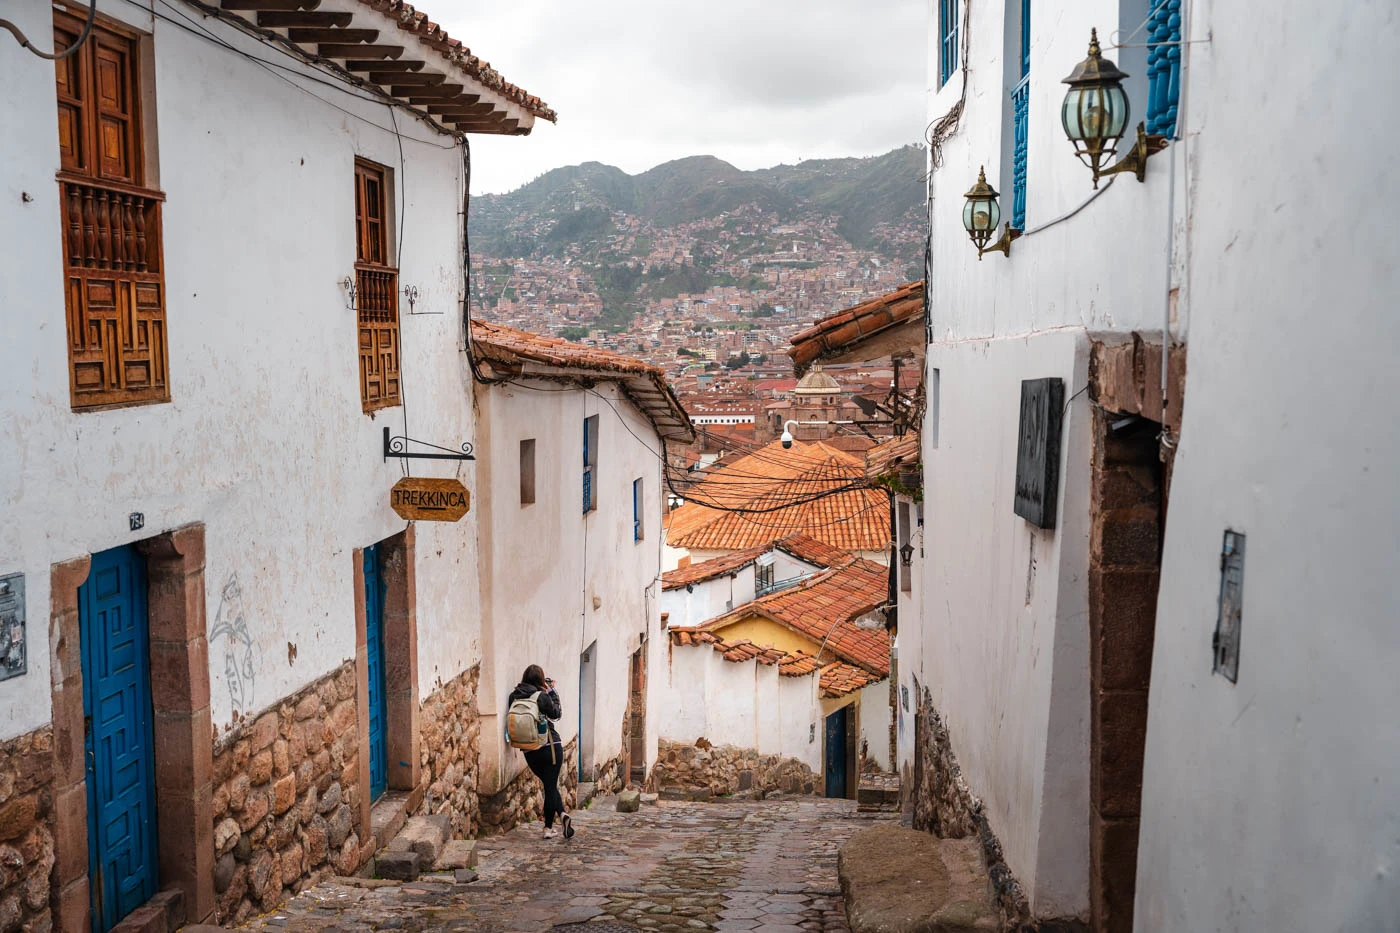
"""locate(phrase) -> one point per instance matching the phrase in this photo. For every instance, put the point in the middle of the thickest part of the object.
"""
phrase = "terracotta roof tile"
(809, 549)
(790, 663)
(840, 679)
(893, 456)
(809, 489)
(844, 329)
(431, 34)
(709, 569)
(824, 609)
(517, 352)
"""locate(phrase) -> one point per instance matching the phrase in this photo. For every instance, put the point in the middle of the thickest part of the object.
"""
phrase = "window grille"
(1163, 66)
(376, 290)
(1020, 103)
(637, 509)
(590, 463)
(949, 34)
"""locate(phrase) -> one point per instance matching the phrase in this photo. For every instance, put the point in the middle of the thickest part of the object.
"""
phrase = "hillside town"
(854, 545)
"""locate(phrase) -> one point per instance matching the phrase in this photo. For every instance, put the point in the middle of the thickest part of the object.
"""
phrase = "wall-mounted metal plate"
(1038, 450)
(13, 654)
(1226, 642)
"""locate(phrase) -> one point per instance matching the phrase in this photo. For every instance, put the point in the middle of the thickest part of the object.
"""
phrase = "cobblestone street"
(768, 867)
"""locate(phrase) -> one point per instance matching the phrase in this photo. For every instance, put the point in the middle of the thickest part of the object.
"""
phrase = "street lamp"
(906, 554)
(981, 214)
(1095, 114)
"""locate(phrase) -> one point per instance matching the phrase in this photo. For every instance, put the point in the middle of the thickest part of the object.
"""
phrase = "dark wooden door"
(374, 656)
(836, 731)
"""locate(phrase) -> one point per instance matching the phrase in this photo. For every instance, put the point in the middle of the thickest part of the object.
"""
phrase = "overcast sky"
(639, 82)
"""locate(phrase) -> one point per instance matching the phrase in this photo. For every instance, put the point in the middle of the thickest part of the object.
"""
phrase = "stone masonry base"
(26, 831)
(728, 770)
(522, 800)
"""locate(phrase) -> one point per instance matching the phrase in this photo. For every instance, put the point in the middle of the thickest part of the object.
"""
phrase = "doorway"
(838, 730)
(637, 719)
(374, 663)
(587, 700)
(1127, 518)
(118, 742)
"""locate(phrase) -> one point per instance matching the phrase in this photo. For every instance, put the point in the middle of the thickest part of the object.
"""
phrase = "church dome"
(817, 382)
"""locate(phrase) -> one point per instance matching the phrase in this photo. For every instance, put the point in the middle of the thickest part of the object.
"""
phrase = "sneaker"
(550, 833)
(568, 826)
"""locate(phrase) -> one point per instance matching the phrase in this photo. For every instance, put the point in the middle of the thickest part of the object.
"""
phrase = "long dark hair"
(534, 676)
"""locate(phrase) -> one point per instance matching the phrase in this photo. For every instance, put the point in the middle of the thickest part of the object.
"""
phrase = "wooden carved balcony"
(377, 308)
(114, 292)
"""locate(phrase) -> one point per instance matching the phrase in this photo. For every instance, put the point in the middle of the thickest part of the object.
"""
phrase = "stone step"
(457, 853)
(899, 880)
(586, 790)
(425, 835)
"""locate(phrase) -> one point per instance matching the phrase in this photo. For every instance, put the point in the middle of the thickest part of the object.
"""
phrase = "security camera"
(787, 440)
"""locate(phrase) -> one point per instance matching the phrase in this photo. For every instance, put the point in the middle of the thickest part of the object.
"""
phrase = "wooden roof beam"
(287, 19)
(349, 50)
(283, 5)
(407, 79)
(452, 108)
(424, 94)
(313, 35)
(366, 64)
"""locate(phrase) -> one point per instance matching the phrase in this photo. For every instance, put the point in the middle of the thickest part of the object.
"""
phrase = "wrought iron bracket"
(1135, 160)
(1002, 245)
(398, 447)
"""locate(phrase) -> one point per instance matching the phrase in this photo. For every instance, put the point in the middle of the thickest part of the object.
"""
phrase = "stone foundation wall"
(728, 770)
(26, 830)
(450, 740)
(934, 793)
(612, 776)
(286, 790)
(522, 800)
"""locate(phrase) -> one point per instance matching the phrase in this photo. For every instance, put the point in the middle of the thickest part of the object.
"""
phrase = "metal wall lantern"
(906, 554)
(1095, 114)
(981, 214)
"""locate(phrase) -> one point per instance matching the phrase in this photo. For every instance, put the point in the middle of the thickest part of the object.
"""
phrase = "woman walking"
(547, 759)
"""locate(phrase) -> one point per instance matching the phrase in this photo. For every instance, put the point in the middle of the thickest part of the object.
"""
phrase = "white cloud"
(754, 82)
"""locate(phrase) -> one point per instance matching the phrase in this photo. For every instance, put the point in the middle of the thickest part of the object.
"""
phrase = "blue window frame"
(590, 463)
(637, 498)
(1021, 106)
(948, 34)
(1163, 66)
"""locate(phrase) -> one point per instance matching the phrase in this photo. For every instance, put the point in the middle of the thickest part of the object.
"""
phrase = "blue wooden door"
(374, 652)
(120, 761)
(836, 753)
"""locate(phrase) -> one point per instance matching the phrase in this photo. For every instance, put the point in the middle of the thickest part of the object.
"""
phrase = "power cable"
(55, 55)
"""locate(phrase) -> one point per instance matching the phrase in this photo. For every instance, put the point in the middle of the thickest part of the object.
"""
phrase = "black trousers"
(547, 762)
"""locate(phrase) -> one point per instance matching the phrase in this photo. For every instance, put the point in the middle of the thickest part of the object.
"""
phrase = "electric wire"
(55, 55)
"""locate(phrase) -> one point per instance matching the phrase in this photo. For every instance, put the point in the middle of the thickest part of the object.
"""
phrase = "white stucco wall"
(708, 599)
(264, 440)
(875, 722)
(1271, 803)
(543, 565)
(740, 703)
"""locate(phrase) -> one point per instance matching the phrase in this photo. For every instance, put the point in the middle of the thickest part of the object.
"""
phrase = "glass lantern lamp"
(981, 214)
(1095, 114)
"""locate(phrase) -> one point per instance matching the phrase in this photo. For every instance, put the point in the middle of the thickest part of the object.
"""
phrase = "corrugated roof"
(843, 331)
(811, 489)
(511, 352)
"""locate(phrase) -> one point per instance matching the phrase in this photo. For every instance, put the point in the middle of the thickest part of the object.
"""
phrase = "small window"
(949, 35)
(590, 464)
(638, 509)
(527, 471)
(763, 578)
(376, 289)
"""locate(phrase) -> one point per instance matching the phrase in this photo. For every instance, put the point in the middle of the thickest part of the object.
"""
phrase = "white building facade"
(1063, 654)
(196, 497)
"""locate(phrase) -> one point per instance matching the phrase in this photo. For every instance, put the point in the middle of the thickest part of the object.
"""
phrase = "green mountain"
(576, 206)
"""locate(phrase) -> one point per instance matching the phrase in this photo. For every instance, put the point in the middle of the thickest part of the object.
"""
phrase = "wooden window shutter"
(376, 291)
(111, 224)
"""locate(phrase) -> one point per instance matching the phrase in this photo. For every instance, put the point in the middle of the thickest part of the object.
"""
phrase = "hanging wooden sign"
(429, 500)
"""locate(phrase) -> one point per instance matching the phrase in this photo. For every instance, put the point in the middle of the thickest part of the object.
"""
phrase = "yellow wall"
(767, 633)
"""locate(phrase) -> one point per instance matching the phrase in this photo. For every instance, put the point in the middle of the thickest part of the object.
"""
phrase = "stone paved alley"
(763, 866)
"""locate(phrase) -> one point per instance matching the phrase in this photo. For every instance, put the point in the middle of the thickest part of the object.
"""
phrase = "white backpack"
(524, 727)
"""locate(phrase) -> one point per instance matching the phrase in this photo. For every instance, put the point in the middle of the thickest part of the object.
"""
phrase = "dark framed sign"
(1038, 450)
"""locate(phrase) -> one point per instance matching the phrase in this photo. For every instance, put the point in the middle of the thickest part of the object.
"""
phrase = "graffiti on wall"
(231, 625)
